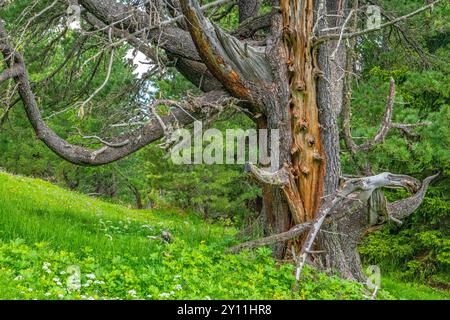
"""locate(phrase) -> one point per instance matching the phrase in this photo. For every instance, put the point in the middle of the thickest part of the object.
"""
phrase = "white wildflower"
(45, 267)
(18, 278)
(164, 295)
(132, 293)
(90, 276)
(178, 287)
(60, 296)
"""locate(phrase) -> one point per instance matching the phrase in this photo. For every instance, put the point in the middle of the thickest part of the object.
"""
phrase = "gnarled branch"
(286, 181)
(139, 24)
(278, 178)
(367, 186)
(250, 26)
(403, 208)
(386, 124)
(238, 66)
(115, 150)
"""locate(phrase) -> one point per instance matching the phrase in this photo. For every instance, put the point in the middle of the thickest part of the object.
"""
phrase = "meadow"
(57, 244)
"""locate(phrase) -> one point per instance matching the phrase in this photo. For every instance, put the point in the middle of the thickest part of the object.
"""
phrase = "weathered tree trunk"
(296, 117)
(312, 151)
(338, 244)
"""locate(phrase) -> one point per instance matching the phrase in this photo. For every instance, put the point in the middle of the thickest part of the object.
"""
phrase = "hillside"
(47, 234)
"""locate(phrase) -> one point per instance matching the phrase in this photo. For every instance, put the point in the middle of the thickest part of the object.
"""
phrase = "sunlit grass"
(36, 210)
(412, 291)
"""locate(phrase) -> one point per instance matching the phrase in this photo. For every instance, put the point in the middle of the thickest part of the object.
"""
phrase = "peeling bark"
(238, 66)
(308, 159)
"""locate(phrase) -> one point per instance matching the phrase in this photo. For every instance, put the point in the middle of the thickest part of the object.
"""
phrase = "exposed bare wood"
(366, 186)
(284, 179)
(308, 160)
(238, 66)
(278, 178)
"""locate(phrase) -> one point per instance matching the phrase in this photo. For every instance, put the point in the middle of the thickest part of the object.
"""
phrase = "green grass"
(36, 210)
(412, 291)
(50, 238)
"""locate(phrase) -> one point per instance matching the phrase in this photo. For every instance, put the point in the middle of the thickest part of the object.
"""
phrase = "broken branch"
(386, 123)
(294, 232)
(10, 73)
(367, 186)
(278, 178)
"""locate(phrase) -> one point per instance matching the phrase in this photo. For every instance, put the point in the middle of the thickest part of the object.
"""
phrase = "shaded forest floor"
(56, 244)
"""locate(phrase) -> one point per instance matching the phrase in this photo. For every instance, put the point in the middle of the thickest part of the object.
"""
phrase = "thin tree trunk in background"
(339, 237)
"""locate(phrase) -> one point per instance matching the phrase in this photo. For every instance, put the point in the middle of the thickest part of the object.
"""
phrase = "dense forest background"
(415, 54)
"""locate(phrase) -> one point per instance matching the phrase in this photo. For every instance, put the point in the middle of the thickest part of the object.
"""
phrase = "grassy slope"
(412, 291)
(47, 232)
